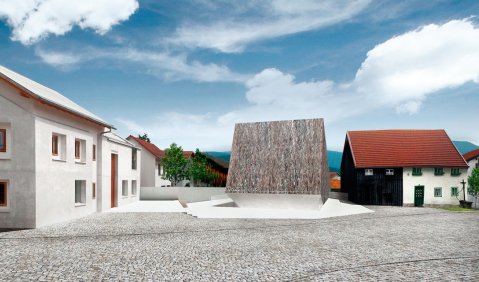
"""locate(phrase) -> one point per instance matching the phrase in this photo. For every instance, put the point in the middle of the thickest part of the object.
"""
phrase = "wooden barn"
(401, 167)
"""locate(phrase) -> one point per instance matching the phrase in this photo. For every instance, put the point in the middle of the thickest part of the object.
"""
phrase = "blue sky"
(187, 71)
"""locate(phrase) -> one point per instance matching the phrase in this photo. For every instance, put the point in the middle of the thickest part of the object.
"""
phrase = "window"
(77, 149)
(124, 188)
(416, 171)
(160, 169)
(368, 171)
(93, 191)
(438, 192)
(389, 171)
(94, 152)
(3, 140)
(80, 192)
(133, 187)
(58, 146)
(54, 145)
(454, 191)
(438, 171)
(80, 150)
(455, 172)
(3, 194)
(133, 158)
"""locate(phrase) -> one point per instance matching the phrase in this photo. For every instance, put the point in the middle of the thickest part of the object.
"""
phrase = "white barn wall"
(17, 165)
(430, 181)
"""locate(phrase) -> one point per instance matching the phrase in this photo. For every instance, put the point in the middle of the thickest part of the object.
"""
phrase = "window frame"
(368, 172)
(5, 185)
(4, 149)
(389, 171)
(94, 152)
(93, 190)
(124, 188)
(455, 171)
(417, 171)
(134, 188)
(55, 145)
(134, 158)
(77, 149)
(454, 194)
(438, 195)
(438, 171)
(82, 194)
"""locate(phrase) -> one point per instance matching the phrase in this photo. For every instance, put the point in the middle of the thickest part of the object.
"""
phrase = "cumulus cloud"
(398, 74)
(160, 64)
(32, 20)
(271, 19)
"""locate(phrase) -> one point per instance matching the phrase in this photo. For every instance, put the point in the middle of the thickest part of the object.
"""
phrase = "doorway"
(114, 184)
(418, 196)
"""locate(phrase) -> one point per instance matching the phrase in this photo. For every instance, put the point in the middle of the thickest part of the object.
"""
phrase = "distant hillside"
(465, 146)
(334, 158)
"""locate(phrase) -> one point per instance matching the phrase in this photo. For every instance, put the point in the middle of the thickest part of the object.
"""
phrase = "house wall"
(149, 168)
(472, 165)
(430, 181)
(159, 182)
(17, 165)
(55, 179)
(124, 173)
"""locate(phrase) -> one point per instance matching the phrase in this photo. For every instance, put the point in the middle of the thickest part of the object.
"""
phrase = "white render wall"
(124, 172)
(55, 179)
(149, 169)
(430, 181)
(16, 165)
(472, 164)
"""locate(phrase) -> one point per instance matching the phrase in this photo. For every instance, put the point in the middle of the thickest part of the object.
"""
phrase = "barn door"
(419, 196)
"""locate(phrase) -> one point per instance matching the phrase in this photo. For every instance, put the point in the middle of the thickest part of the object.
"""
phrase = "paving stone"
(391, 244)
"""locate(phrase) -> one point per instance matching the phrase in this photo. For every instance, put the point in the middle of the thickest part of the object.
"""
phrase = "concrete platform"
(219, 209)
(151, 206)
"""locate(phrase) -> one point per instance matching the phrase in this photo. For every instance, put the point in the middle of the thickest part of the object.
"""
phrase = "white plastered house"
(152, 169)
(56, 157)
(472, 159)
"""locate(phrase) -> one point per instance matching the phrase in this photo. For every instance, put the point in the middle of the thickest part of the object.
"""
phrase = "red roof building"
(471, 155)
(403, 148)
(401, 167)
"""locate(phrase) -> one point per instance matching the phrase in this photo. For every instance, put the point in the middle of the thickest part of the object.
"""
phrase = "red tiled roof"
(150, 147)
(403, 148)
(471, 155)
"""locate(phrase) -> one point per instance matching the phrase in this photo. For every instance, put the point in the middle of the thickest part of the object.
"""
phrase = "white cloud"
(398, 74)
(32, 20)
(272, 19)
(160, 64)
(406, 69)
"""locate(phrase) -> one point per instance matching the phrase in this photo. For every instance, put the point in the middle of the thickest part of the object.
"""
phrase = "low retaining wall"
(183, 194)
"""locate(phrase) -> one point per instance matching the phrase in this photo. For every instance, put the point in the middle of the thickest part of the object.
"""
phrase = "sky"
(187, 71)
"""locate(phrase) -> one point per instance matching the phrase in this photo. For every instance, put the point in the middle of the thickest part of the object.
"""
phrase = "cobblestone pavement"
(391, 244)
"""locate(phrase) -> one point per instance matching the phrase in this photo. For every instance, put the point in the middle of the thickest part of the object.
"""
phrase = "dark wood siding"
(377, 189)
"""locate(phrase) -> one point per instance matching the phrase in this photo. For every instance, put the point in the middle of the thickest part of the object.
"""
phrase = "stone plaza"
(393, 243)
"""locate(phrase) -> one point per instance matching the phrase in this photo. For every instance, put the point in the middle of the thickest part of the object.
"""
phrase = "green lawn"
(459, 209)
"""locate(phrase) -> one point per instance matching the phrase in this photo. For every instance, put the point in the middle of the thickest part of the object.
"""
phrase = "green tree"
(198, 169)
(144, 137)
(175, 165)
(473, 181)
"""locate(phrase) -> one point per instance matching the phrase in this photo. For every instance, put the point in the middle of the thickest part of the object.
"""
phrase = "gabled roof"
(403, 148)
(150, 147)
(110, 136)
(49, 96)
(471, 155)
